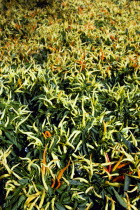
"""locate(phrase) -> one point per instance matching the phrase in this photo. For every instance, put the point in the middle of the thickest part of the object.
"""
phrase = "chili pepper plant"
(70, 105)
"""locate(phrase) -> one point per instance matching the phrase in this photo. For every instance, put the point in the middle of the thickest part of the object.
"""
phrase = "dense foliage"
(69, 105)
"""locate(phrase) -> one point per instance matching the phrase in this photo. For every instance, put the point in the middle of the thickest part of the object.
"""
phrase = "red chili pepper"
(109, 168)
(118, 178)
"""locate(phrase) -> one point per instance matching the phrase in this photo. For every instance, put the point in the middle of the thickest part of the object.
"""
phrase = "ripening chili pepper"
(122, 165)
(53, 183)
(118, 178)
(102, 55)
(59, 176)
(80, 10)
(131, 172)
(46, 134)
(109, 168)
(19, 82)
(112, 37)
(121, 178)
(117, 164)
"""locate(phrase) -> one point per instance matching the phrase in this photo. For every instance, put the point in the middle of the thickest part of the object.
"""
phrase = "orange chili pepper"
(105, 169)
(122, 165)
(102, 55)
(58, 184)
(53, 183)
(131, 172)
(117, 164)
(59, 176)
(46, 134)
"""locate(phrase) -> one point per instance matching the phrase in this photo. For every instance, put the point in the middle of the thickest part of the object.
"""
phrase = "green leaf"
(14, 196)
(19, 202)
(59, 206)
(75, 182)
(23, 181)
(127, 182)
(119, 199)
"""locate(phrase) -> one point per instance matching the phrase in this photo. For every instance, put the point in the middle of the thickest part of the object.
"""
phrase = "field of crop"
(70, 105)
